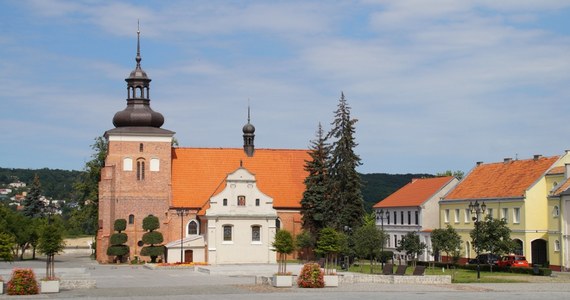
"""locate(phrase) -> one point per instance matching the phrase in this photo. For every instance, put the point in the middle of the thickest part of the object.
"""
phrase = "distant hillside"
(378, 186)
(56, 184)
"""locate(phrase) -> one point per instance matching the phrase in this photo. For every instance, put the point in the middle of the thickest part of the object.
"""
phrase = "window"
(395, 219)
(141, 147)
(395, 240)
(505, 214)
(154, 164)
(241, 201)
(131, 219)
(417, 217)
(556, 245)
(388, 241)
(193, 227)
(127, 164)
(256, 202)
(457, 210)
(409, 217)
(446, 216)
(467, 215)
(227, 233)
(225, 202)
(387, 218)
(556, 211)
(140, 169)
(516, 215)
(401, 218)
(490, 212)
(256, 233)
(277, 224)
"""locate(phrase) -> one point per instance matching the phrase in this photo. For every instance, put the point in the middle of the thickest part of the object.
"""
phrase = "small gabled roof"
(508, 179)
(415, 193)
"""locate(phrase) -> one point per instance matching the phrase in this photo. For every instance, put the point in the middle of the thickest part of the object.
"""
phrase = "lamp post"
(380, 217)
(181, 212)
(477, 210)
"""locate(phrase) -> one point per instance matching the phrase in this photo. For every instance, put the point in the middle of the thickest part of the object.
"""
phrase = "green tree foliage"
(56, 183)
(7, 243)
(33, 204)
(152, 238)
(313, 204)
(368, 242)
(305, 241)
(411, 244)
(330, 244)
(346, 205)
(457, 174)
(50, 243)
(117, 241)
(445, 240)
(283, 245)
(494, 236)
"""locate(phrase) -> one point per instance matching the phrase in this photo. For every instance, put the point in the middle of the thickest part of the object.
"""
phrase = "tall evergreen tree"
(346, 204)
(313, 207)
(33, 204)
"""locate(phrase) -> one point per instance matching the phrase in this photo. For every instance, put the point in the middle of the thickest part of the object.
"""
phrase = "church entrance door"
(188, 256)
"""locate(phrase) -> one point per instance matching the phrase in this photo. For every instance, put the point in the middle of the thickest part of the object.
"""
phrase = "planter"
(1, 287)
(49, 286)
(331, 280)
(282, 281)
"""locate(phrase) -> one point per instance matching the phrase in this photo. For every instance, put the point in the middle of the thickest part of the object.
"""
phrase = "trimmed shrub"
(153, 237)
(152, 251)
(151, 223)
(119, 238)
(120, 225)
(311, 276)
(23, 282)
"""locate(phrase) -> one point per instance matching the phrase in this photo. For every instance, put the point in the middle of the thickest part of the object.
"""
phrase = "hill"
(56, 184)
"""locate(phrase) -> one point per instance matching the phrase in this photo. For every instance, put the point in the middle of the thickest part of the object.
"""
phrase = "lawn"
(457, 275)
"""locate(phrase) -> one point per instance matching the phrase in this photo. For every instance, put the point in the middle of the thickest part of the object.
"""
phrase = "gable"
(200, 173)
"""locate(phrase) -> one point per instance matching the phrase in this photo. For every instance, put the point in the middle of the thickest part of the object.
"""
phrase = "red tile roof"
(563, 187)
(502, 179)
(557, 170)
(199, 173)
(415, 193)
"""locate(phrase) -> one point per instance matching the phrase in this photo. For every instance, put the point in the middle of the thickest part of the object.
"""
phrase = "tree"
(313, 203)
(118, 240)
(494, 236)
(305, 241)
(152, 238)
(368, 241)
(411, 244)
(50, 243)
(33, 204)
(457, 174)
(283, 245)
(346, 205)
(445, 240)
(87, 188)
(7, 243)
(330, 244)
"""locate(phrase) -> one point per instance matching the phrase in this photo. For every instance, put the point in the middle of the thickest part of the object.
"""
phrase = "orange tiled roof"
(563, 187)
(502, 179)
(557, 170)
(199, 173)
(415, 193)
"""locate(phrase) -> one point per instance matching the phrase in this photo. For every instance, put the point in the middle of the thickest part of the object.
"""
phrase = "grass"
(457, 275)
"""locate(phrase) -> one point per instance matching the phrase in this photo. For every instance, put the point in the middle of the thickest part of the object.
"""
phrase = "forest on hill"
(58, 184)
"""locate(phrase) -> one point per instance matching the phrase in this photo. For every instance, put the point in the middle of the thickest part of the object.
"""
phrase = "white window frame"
(556, 211)
(457, 211)
(467, 216)
(556, 246)
(154, 164)
(505, 214)
(258, 228)
(446, 215)
(188, 227)
(516, 215)
(128, 164)
(231, 240)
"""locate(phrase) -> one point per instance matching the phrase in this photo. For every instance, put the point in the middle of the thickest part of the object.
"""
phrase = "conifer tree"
(313, 206)
(346, 204)
(33, 205)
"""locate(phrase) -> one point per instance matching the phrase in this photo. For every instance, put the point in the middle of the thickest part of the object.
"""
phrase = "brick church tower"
(136, 179)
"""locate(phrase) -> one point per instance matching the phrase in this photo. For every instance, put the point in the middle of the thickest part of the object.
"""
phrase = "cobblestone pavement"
(238, 282)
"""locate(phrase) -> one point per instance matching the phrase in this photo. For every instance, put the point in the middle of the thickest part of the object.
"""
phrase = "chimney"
(537, 156)
(507, 160)
(479, 163)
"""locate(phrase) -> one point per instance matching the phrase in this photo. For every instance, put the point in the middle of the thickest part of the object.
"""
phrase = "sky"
(435, 85)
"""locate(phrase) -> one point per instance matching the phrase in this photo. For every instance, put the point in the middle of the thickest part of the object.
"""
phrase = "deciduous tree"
(411, 244)
(445, 240)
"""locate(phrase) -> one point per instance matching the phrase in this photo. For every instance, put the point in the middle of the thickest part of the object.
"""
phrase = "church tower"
(136, 179)
(248, 137)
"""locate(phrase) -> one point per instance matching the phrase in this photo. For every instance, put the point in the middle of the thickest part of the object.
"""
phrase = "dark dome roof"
(248, 128)
(138, 114)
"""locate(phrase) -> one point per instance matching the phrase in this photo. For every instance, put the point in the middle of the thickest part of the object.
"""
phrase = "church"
(215, 205)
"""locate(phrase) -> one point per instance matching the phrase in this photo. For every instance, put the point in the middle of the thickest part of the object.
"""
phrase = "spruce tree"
(33, 205)
(313, 206)
(346, 204)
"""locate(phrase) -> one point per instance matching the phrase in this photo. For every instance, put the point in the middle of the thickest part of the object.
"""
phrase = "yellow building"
(519, 191)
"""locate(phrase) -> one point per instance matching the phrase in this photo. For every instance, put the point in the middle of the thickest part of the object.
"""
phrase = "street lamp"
(477, 211)
(380, 217)
(181, 212)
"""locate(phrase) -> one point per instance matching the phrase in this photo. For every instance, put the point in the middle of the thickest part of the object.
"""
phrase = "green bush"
(23, 282)
(120, 225)
(118, 238)
(118, 250)
(152, 251)
(152, 238)
(151, 223)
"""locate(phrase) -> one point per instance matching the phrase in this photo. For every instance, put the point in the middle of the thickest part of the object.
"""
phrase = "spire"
(248, 136)
(138, 112)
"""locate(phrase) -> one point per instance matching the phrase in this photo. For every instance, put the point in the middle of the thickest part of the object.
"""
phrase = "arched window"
(141, 147)
(192, 227)
(556, 211)
(277, 223)
(131, 219)
(256, 233)
(140, 169)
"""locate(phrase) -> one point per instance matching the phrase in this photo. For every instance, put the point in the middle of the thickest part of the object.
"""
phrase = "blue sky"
(435, 85)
